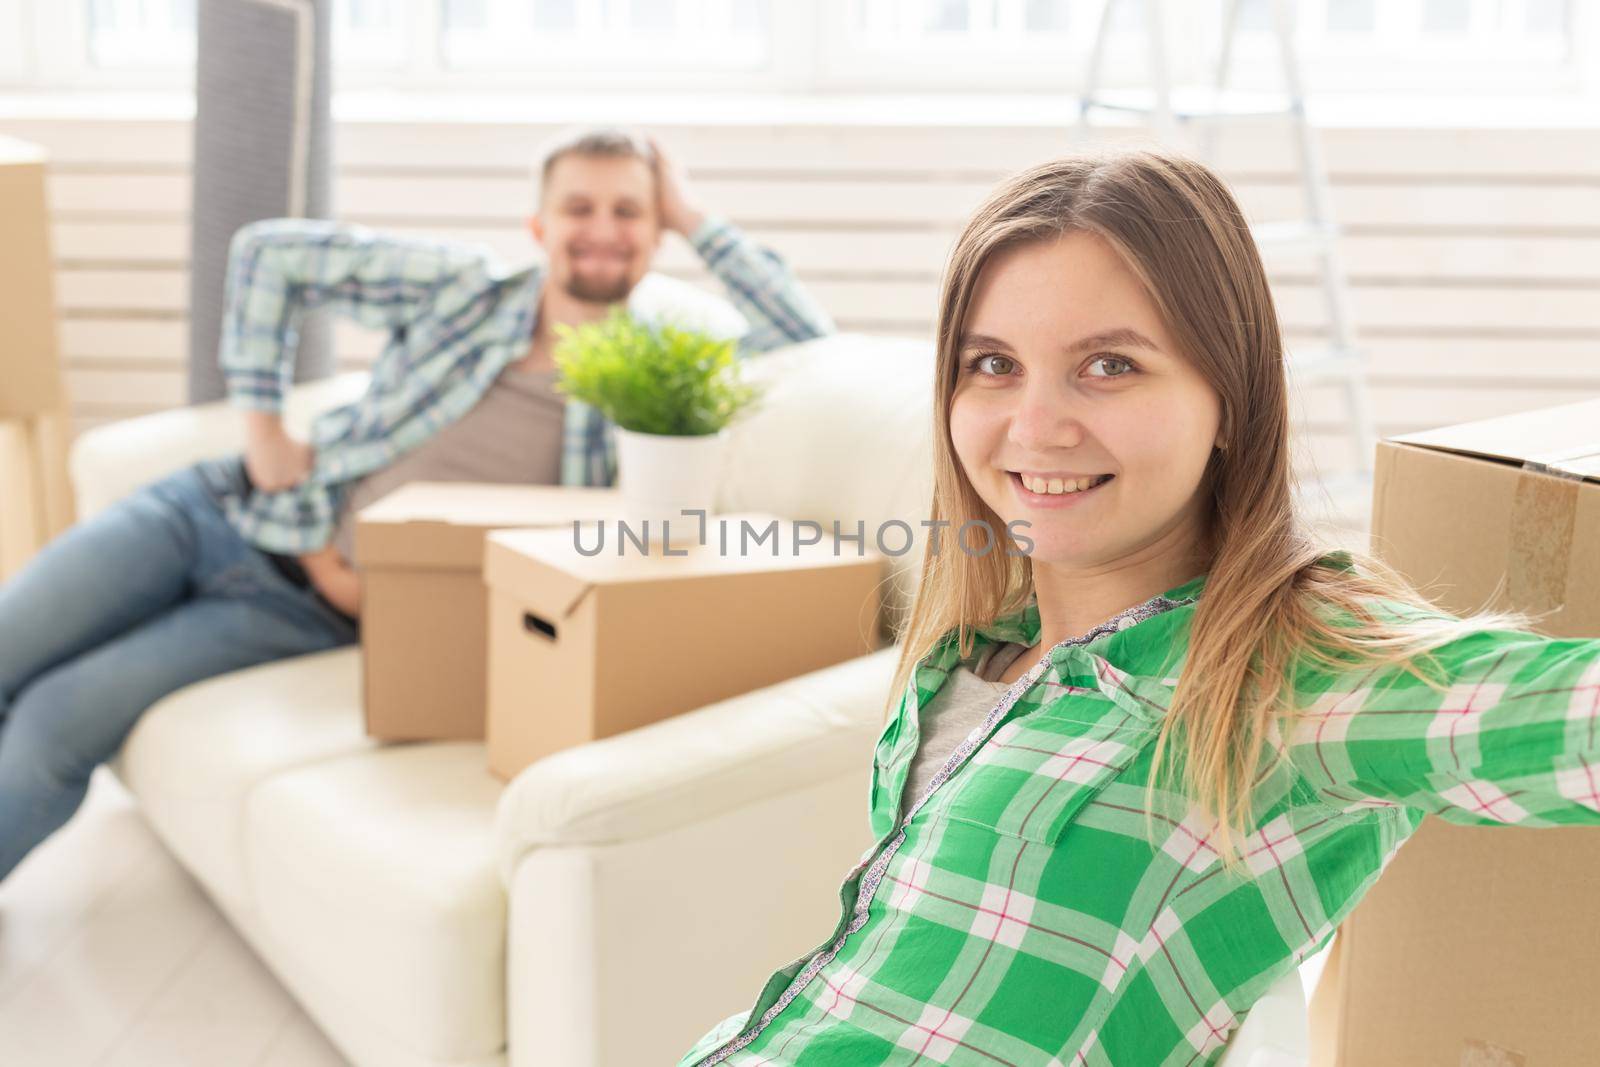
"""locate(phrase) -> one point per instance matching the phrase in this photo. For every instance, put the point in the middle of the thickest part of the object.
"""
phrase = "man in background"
(243, 560)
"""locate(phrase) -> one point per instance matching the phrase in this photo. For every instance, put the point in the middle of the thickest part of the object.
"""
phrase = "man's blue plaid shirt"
(456, 317)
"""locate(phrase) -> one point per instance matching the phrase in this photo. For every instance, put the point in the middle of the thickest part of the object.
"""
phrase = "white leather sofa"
(427, 916)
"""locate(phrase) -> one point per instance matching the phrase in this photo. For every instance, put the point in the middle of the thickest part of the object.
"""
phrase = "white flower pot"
(661, 474)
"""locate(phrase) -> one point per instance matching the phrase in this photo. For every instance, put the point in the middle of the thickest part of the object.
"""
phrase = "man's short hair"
(616, 142)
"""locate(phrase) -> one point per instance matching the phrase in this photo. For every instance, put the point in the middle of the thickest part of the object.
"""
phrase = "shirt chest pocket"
(1033, 775)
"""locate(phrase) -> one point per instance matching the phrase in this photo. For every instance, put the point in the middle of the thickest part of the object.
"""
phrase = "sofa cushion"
(376, 872)
(196, 755)
(662, 298)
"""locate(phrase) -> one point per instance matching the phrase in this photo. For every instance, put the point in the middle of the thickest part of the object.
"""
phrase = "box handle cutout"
(535, 625)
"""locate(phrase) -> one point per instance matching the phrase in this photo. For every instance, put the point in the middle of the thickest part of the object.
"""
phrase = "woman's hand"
(272, 458)
(335, 579)
(677, 209)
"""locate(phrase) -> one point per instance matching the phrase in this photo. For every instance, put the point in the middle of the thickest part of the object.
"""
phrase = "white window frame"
(1328, 66)
(406, 41)
(844, 65)
(15, 66)
(784, 69)
(1396, 62)
(568, 57)
(818, 57)
(59, 36)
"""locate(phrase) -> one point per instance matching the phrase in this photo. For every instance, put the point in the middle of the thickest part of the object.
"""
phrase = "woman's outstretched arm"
(1513, 739)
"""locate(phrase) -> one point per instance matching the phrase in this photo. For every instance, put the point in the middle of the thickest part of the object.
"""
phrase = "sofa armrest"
(699, 765)
(716, 840)
(111, 461)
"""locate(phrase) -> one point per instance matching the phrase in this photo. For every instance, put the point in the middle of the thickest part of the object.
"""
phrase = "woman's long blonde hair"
(1267, 599)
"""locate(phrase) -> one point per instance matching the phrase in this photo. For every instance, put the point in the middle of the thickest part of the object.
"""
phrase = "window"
(160, 34)
(564, 35)
(1351, 44)
(1417, 43)
(371, 35)
(832, 45)
(1513, 25)
(153, 34)
(1016, 24)
(13, 52)
(963, 44)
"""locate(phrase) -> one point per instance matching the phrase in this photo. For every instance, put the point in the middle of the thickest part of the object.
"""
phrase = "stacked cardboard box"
(1479, 945)
(596, 634)
(35, 499)
(424, 607)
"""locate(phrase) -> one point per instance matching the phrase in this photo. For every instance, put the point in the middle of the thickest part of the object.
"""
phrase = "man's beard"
(598, 292)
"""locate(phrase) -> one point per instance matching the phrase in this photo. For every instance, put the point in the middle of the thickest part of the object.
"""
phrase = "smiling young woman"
(1110, 382)
(1140, 339)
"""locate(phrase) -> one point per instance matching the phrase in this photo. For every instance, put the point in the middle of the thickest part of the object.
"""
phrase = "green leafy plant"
(652, 378)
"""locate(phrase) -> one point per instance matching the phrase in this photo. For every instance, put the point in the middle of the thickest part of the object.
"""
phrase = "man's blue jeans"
(154, 593)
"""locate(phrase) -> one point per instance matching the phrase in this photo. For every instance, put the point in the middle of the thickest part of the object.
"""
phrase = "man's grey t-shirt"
(512, 435)
(966, 697)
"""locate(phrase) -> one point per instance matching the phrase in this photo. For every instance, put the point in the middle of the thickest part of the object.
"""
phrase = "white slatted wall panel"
(1474, 254)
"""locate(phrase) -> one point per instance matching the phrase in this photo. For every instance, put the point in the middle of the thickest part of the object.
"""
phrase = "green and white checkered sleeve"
(1514, 738)
(280, 268)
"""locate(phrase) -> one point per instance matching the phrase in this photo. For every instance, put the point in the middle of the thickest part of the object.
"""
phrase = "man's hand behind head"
(677, 207)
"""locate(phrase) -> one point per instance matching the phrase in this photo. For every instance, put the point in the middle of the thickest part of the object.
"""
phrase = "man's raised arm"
(280, 268)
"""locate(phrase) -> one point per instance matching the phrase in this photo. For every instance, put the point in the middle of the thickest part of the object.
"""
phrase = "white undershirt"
(958, 707)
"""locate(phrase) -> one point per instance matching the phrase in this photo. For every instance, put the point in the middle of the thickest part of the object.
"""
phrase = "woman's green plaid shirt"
(1018, 914)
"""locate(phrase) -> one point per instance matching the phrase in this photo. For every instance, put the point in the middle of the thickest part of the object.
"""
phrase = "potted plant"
(670, 392)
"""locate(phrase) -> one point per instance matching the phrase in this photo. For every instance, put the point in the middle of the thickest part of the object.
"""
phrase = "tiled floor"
(112, 956)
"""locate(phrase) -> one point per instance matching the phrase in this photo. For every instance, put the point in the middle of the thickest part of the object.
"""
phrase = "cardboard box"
(35, 496)
(1479, 945)
(35, 491)
(586, 646)
(19, 512)
(424, 607)
(31, 380)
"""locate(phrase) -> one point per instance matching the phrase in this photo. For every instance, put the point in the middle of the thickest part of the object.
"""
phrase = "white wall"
(1474, 254)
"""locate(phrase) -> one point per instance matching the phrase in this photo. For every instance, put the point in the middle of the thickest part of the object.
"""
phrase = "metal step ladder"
(1336, 361)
